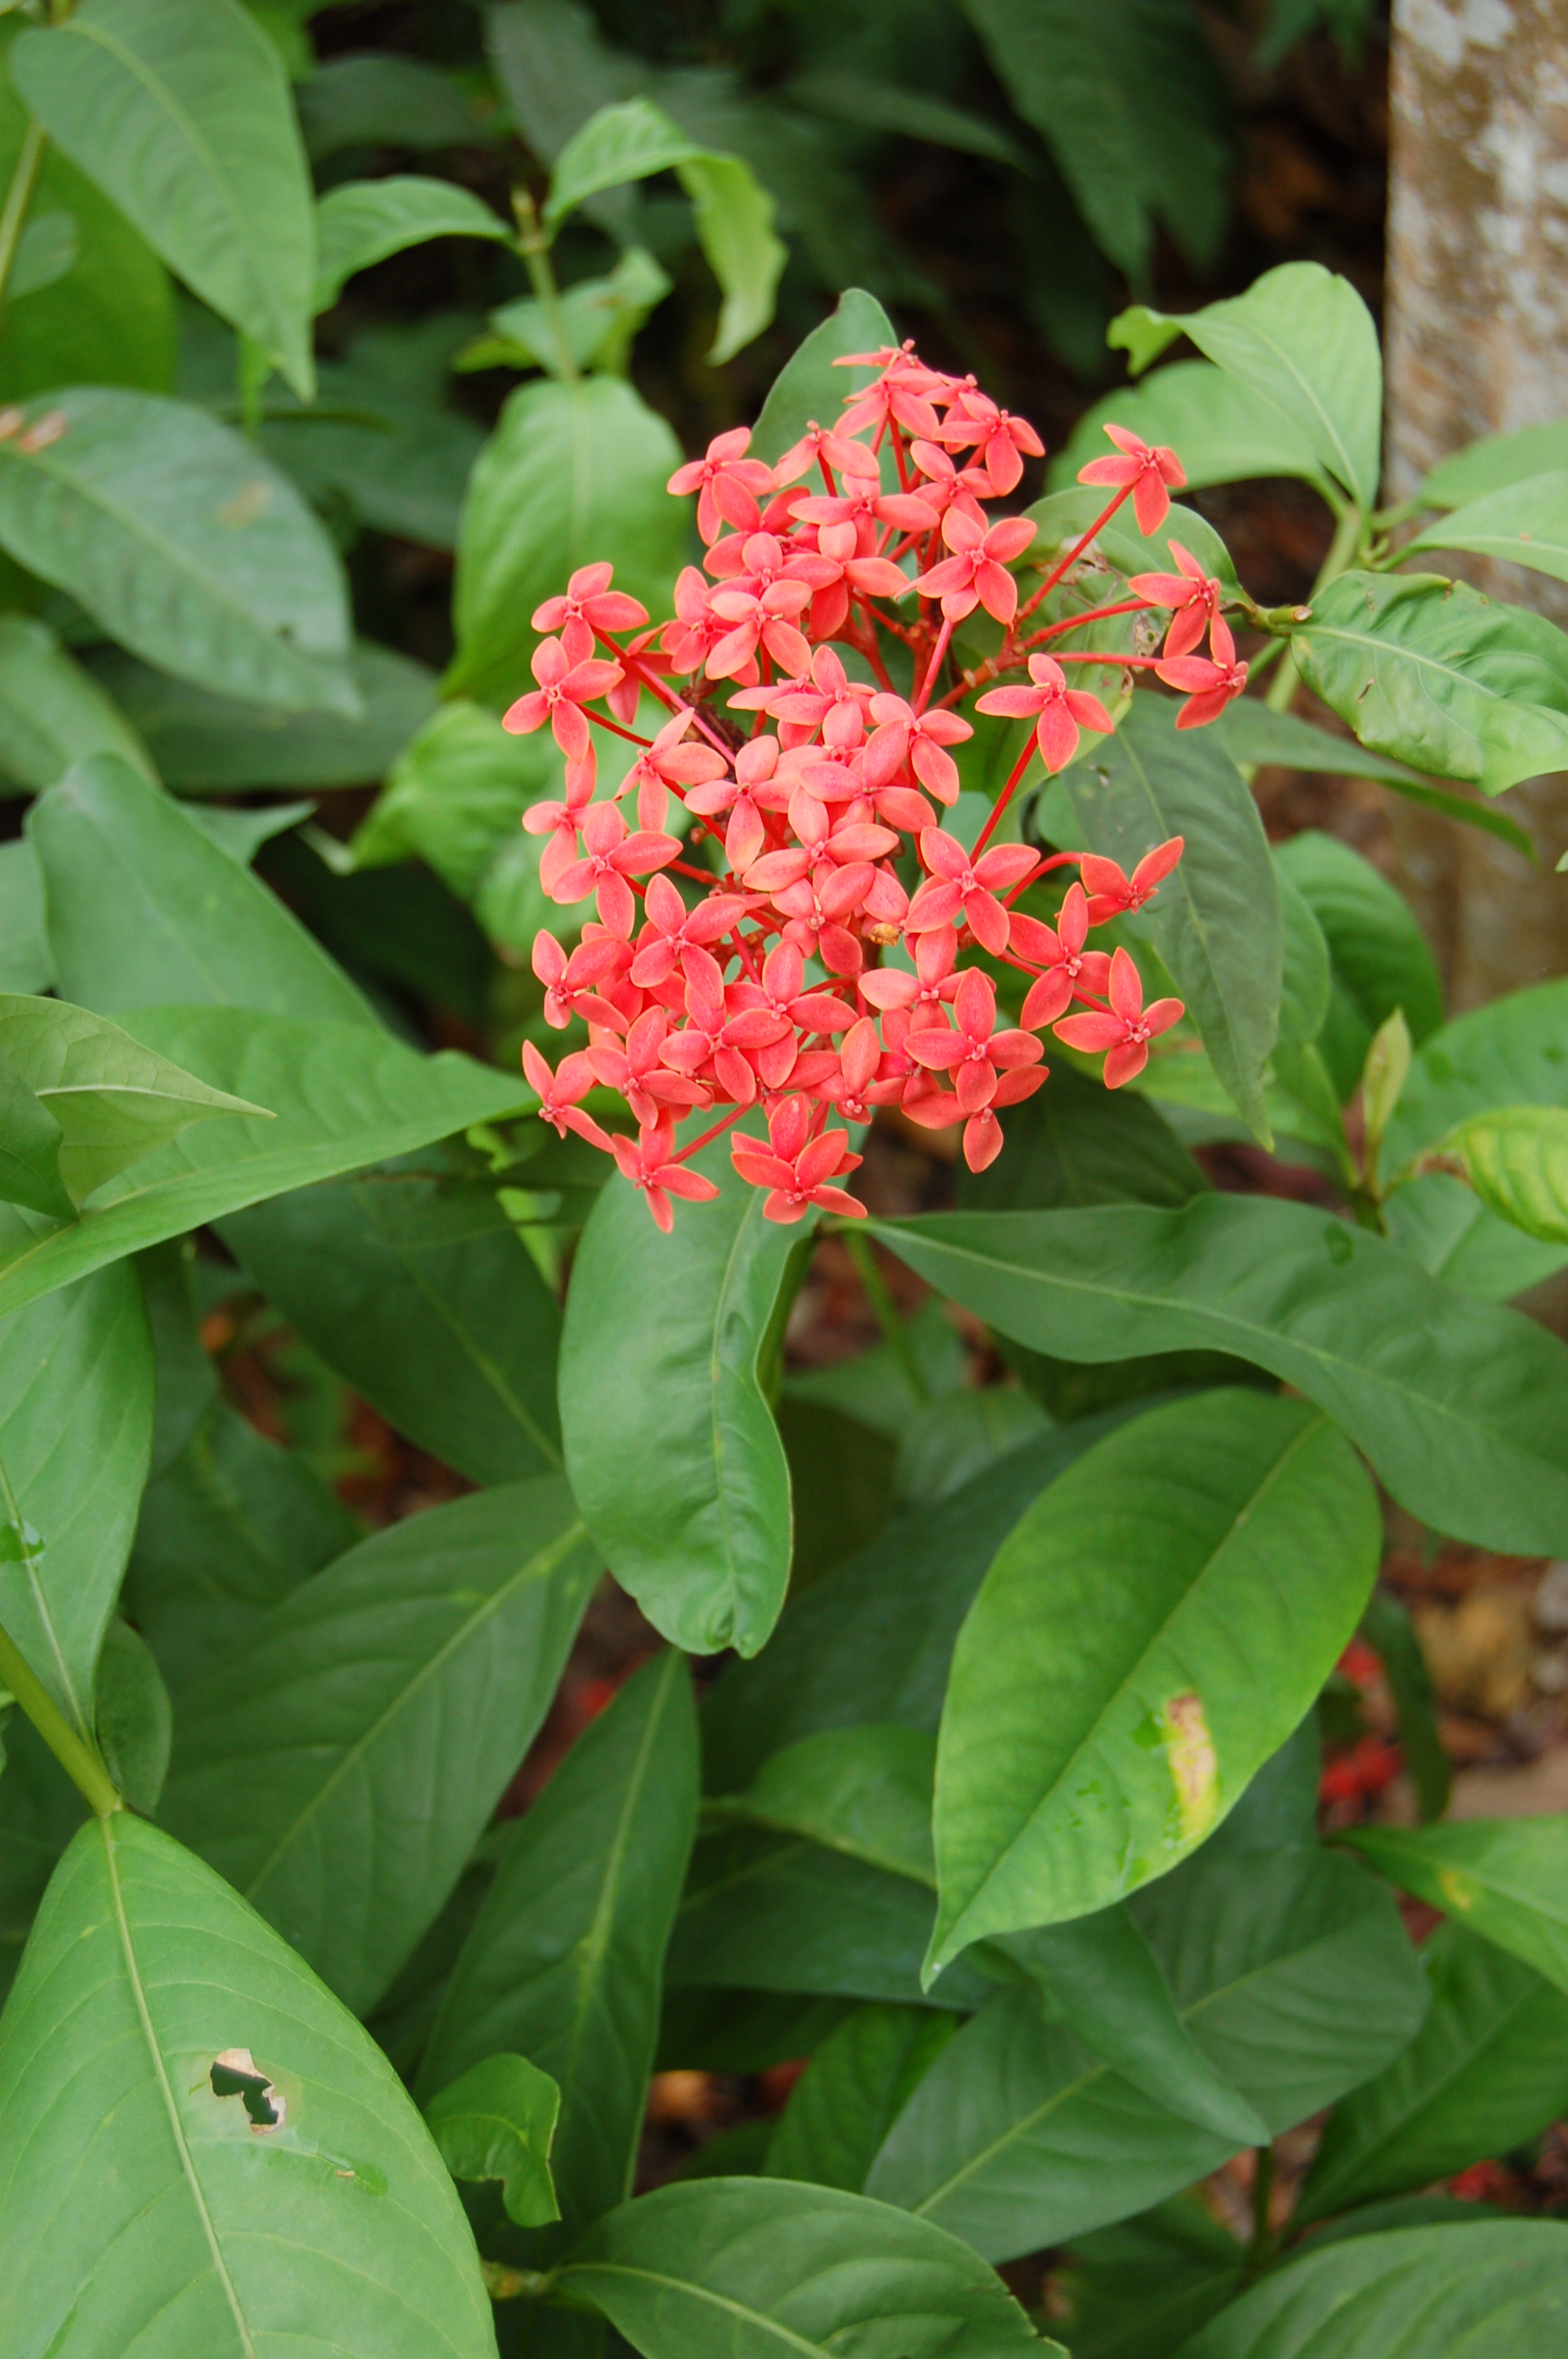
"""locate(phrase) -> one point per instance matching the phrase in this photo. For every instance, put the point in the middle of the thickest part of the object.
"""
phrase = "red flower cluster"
(817, 851)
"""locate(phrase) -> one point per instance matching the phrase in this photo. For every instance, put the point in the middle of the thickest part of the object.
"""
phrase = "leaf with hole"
(496, 2121)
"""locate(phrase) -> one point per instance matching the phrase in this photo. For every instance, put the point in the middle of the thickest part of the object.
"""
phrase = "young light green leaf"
(852, 2091)
(1303, 339)
(1222, 431)
(180, 111)
(1216, 923)
(595, 319)
(31, 1141)
(340, 1770)
(1507, 1879)
(572, 473)
(1516, 1158)
(361, 223)
(1495, 462)
(671, 1447)
(1383, 1077)
(1291, 1970)
(1431, 672)
(1459, 1405)
(1521, 524)
(863, 1791)
(1500, 2285)
(1487, 2072)
(496, 2122)
(809, 389)
(76, 1415)
(113, 1101)
(737, 2268)
(564, 1959)
(181, 541)
(335, 2219)
(52, 711)
(1086, 1747)
(620, 143)
(132, 1719)
(734, 217)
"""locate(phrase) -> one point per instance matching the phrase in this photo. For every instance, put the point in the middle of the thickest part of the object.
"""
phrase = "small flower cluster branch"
(764, 988)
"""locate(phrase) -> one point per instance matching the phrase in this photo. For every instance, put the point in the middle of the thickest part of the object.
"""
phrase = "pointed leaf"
(563, 1962)
(808, 387)
(31, 1141)
(735, 2268)
(1516, 1158)
(671, 1447)
(1459, 1405)
(497, 2122)
(852, 2091)
(1506, 1878)
(735, 230)
(360, 222)
(1101, 1717)
(1079, 1143)
(180, 111)
(131, 1717)
(1521, 524)
(340, 1770)
(862, 1790)
(52, 711)
(1249, 732)
(336, 2223)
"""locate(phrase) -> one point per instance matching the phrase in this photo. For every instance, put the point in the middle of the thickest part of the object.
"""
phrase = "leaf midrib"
(756, 2319)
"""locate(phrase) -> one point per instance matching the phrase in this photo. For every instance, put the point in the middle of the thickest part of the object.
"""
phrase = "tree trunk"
(1477, 343)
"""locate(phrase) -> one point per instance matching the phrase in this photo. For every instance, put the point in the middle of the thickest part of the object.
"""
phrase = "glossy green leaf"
(25, 961)
(1459, 1405)
(179, 110)
(563, 1960)
(1216, 923)
(30, 1142)
(496, 2121)
(1507, 1879)
(1487, 2072)
(1500, 2287)
(1076, 1142)
(1221, 430)
(1520, 523)
(736, 2268)
(1064, 517)
(863, 1791)
(1250, 733)
(181, 541)
(1516, 1158)
(113, 1101)
(361, 223)
(421, 1294)
(1087, 1745)
(456, 794)
(620, 143)
(808, 388)
(671, 1447)
(572, 474)
(203, 744)
(336, 2223)
(76, 1414)
(873, 1640)
(1293, 1974)
(52, 711)
(1431, 672)
(852, 2091)
(340, 1769)
(1302, 338)
(1495, 463)
(132, 1720)
(951, 1440)
(231, 1527)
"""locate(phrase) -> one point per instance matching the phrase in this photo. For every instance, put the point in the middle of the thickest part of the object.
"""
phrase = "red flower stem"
(685, 868)
(1116, 663)
(1091, 615)
(614, 727)
(939, 655)
(1005, 796)
(688, 1152)
(1077, 551)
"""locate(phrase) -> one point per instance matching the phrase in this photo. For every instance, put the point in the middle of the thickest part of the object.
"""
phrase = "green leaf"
(25, 962)
(1500, 2287)
(810, 390)
(595, 319)
(864, 1790)
(1303, 339)
(1305, 983)
(1457, 1405)
(1388, 1630)
(1484, 2074)
(76, 1416)
(1076, 1142)
(1292, 1973)
(394, 459)
(203, 744)
(144, 909)
(1070, 1772)
(382, 98)
(1430, 671)
(950, 1440)
(113, 1101)
(1516, 1158)
(361, 223)
(1505, 1879)
(1495, 462)
(231, 1527)
(1221, 430)
(240, 834)
(852, 2091)
(1522, 524)
(340, 1769)
(1378, 956)
(179, 110)
(1064, 517)
(736, 2268)
(1130, 107)
(872, 104)
(185, 1377)
(620, 143)
(873, 1640)
(181, 541)
(573, 473)
(1216, 924)
(497, 2122)
(30, 1140)
(52, 711)
(337, 2222)
(671, 1447)
(1135, 2291)
(1251, 733)
(46, 250)
(456, 795)
(563, 1962)
(131, 1717)
(40, 1811)
(420, 1293)
(735, 230)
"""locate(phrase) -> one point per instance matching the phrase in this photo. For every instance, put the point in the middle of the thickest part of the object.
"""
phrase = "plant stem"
(1341, 550)
(534, 245)
(78, 1760)
(19, 196)
(1260, 2247)
(894, 1333)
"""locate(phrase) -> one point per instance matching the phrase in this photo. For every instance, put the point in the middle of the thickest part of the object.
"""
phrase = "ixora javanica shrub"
(1000, 1814)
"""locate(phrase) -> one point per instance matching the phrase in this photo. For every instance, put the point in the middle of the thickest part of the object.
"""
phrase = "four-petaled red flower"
(609, 856)
(564, 688)
(1113, 894)
(1153, 475)
(589, 606)
(1062, 710)
(960, 884)
(975, 574)
(1125, 1029)
(1208, 685)
(1193, 596)
(795, 1168)
(650, 1165)
(727, 483)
